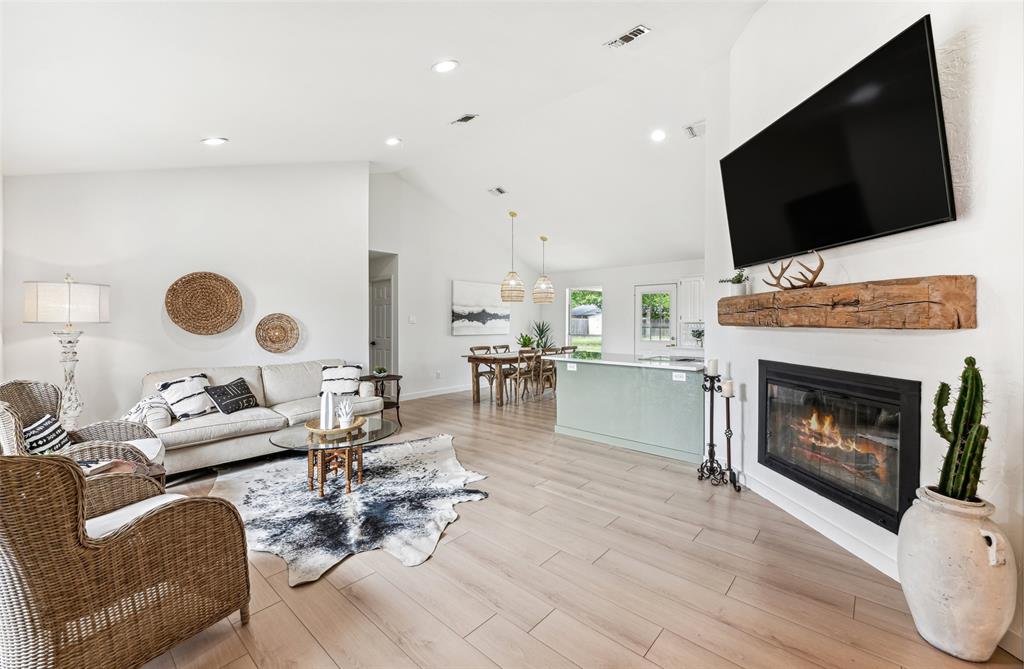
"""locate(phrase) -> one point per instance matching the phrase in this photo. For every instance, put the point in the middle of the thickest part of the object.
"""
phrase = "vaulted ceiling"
(564, 121)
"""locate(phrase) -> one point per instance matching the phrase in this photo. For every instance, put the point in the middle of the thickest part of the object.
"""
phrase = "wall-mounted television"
(863, 157)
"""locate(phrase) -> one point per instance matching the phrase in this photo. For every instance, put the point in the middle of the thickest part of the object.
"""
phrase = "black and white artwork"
(477, 309)
(407, 498)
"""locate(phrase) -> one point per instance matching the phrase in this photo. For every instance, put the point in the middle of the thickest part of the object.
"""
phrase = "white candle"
(727, 389)
(711, 367)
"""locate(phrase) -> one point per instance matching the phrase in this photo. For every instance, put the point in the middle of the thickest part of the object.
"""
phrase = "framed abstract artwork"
(477, 309)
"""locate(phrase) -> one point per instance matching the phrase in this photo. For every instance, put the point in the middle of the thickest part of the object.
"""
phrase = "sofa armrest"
(366, 389)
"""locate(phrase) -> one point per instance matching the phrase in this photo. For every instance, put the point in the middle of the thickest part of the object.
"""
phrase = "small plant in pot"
(956, 567)
(738, 282)
(524, 340)
(380, 371)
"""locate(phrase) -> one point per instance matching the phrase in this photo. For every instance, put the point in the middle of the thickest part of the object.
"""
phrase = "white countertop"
(627, 360)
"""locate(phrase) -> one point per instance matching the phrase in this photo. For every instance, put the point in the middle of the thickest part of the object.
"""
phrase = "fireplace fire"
(851, 437)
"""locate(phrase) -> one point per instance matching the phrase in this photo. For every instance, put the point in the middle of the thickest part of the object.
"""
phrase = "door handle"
(373, 343)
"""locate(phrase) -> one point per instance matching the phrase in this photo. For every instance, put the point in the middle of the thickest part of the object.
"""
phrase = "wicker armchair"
(32, 400)
(68, 599)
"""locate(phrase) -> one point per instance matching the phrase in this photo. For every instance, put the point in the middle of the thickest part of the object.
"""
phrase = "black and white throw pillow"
(187, 396)
(232, 397)
(45, 436)
(341, 379)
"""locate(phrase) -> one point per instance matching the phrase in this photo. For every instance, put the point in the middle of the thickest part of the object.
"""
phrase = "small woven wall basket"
(277, 333)
(203, 303)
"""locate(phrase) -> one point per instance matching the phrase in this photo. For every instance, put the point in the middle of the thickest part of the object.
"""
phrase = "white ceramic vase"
(958, 573)
(737, 289)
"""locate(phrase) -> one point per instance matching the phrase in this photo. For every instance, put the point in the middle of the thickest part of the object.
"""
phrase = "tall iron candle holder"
(733, 479)
(711, 468)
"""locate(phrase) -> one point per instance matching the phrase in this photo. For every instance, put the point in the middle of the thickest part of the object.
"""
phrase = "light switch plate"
(570, 366)
(412, 319)
(678, 376)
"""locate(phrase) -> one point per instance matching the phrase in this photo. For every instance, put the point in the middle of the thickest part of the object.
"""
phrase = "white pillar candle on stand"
(728, 389)
(711, 367)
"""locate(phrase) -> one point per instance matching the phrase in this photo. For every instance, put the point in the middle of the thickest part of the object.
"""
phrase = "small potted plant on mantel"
(738, 283)
(956, 567)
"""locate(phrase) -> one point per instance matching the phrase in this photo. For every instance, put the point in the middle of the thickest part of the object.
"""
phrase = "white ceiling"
(564, 121)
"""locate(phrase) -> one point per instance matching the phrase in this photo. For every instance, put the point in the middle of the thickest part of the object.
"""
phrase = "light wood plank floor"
(582, 556)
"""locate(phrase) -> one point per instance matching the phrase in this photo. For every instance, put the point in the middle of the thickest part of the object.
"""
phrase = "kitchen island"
(649, 404)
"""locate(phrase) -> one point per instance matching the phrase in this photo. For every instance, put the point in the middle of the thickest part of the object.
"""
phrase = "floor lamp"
(67, 302)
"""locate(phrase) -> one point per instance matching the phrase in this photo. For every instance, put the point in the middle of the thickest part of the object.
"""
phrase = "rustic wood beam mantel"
(922, 303)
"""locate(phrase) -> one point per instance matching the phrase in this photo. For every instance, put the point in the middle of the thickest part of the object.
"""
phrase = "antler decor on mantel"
(808, 280)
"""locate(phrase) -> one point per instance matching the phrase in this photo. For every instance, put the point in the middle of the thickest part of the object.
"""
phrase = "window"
(655, 317)
(584, 318)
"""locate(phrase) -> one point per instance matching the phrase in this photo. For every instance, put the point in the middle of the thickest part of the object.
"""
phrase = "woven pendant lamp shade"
(543, 289)
(512, 287)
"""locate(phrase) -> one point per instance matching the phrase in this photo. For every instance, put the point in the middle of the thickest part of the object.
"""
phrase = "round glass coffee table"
(324, 454)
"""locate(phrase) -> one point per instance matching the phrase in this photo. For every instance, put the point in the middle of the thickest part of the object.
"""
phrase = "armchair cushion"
(152, 448)
(108, 523)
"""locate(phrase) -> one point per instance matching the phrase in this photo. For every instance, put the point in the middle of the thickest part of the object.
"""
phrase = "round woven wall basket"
(277, 333)
(203, 303)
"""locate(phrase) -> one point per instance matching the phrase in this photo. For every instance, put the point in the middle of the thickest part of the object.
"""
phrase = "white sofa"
(288, 395)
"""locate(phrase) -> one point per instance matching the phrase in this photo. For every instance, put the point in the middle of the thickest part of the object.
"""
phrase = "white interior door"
(380, 324)
(654, 326)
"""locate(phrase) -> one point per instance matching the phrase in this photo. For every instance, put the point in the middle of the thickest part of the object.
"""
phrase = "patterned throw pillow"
(341, 379)
(45, 436)
(187, 396)
(232, 397)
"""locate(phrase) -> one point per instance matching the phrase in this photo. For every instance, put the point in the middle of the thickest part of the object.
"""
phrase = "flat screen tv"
(863, 157)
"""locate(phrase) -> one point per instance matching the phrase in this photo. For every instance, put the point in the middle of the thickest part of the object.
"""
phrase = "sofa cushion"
(216, 375)
(217, 426)
(101, 526)
(299, 411)
(293, 381)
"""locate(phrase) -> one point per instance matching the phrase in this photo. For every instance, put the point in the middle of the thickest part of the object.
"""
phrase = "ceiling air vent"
(465, 118)
(497, 191)
(623, 40)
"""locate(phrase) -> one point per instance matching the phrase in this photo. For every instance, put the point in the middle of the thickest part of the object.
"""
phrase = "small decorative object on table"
(345, 412)
(738, 283)
(956, 566)
(711, 468)
(698, 334)
(525, 341)
(380, 371)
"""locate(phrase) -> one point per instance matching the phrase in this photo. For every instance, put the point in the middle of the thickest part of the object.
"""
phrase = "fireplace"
(853, 438)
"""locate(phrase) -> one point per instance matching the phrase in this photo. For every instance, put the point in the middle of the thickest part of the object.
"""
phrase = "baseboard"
(865, 551)
(420, 394)
(1013, 643)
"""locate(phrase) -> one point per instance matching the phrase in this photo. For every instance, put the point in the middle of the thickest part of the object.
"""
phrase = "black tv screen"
(863, 157)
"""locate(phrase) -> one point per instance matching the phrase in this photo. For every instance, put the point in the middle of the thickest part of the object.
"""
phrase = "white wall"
(435, 246)
(617, 283)
(292, 238)
(787, 52)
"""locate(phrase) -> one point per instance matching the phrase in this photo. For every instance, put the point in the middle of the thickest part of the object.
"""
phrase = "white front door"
(654, 324)
(380, 324)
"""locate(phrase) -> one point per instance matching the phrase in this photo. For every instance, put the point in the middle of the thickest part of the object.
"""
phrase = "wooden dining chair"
(546, 375)
(525, 373)
(568, 349)
(486, 371)
(502, 348)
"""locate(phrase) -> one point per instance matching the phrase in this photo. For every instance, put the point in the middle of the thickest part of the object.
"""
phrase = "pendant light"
(543, 290)
(512, 288)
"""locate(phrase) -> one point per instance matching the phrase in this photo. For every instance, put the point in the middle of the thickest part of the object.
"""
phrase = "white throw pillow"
(187, 396)
(341, 379)
(152, 411)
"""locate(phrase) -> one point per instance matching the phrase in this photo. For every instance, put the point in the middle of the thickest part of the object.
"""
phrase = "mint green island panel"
(643, 407)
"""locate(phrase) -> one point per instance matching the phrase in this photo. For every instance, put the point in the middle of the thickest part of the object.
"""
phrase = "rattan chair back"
(32, 399)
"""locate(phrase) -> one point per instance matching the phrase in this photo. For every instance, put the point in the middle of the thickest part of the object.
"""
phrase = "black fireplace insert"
(854, 438)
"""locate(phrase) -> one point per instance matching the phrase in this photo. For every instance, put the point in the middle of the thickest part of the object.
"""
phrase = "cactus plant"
(966, 434)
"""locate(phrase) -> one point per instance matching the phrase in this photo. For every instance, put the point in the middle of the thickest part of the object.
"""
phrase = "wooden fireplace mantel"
(923, 303)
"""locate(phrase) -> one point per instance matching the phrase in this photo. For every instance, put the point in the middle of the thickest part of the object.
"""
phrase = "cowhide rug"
(403, 505)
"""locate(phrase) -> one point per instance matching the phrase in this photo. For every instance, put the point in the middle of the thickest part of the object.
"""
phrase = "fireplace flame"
(824, 432)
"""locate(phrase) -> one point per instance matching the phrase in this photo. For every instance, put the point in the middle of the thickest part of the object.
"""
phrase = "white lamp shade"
(66, 302)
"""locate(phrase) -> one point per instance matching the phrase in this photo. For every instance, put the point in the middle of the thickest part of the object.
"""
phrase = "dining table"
(497, 361)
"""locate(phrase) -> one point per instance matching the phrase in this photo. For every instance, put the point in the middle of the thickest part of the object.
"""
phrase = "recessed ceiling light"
(393, 141)
(445, 66)
(658, 135)
(214, 141)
